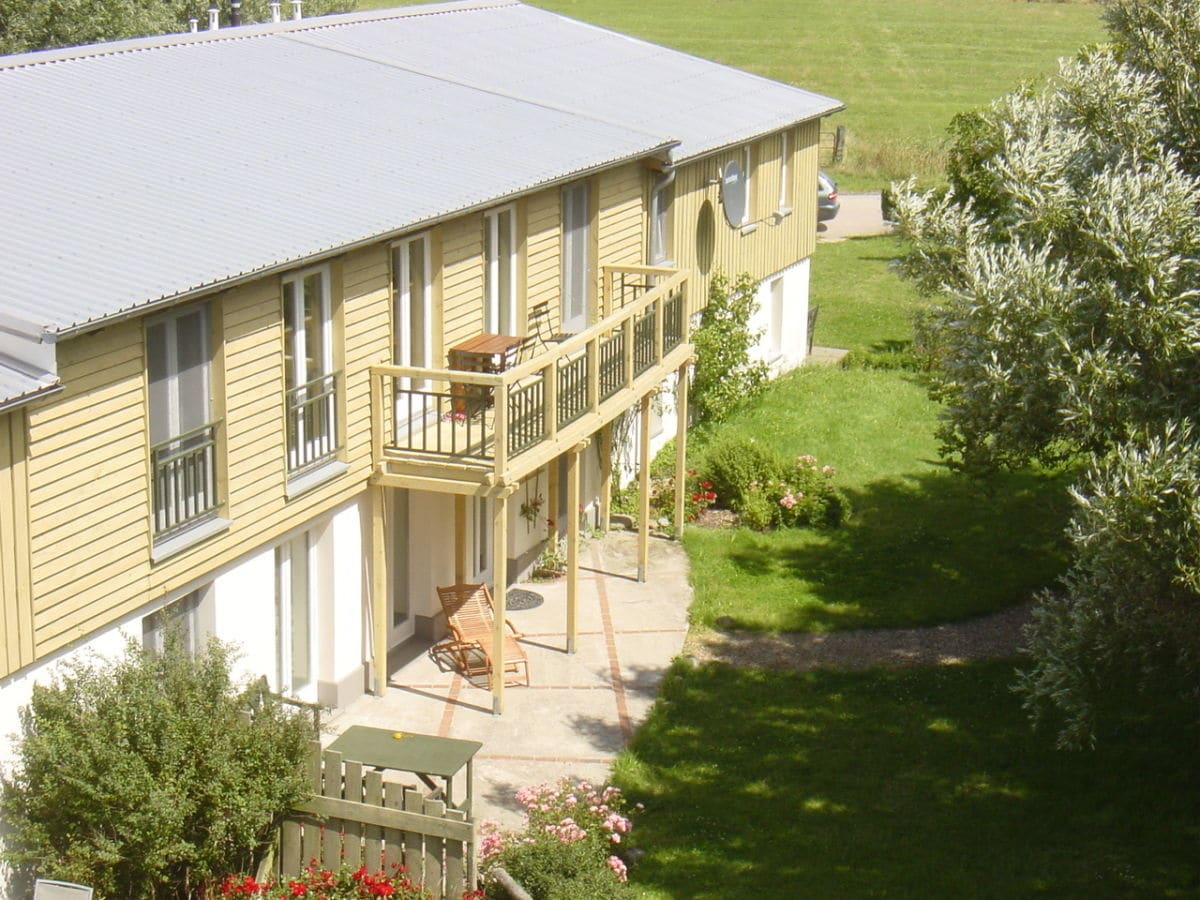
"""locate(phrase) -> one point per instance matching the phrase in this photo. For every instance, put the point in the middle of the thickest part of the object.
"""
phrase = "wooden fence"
(356, 818)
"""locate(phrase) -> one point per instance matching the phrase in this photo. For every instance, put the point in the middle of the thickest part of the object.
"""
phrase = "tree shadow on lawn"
(915, 783)
(925, 549)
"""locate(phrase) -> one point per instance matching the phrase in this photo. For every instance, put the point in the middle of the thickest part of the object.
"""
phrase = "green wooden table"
(425, 755)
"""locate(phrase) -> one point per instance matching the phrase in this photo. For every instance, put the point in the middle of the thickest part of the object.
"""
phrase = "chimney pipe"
(194, 23)
(235, 13)
(275, 16)
(214, 18)
(297, 12)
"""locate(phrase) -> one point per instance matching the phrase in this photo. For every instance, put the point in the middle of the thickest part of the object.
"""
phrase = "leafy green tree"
(1065, 253)
(725, 375)
(37, 24)
(145, 777)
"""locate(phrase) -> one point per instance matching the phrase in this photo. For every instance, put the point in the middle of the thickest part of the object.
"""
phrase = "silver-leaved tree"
(1065, 254)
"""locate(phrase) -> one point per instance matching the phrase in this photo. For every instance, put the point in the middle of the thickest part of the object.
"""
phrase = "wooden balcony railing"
(185, 479)
(496, 420)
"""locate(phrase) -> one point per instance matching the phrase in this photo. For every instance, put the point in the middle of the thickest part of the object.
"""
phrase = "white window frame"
(409, 349)
(500, 294)
(661, 249)
(309, 445)
(748, 169)
(295, 572)
(577, 275)
(785, 172)
(165, 410)
(191, 614)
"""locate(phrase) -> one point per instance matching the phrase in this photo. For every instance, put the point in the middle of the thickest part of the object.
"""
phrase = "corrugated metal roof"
(149, 169)
(18, 386)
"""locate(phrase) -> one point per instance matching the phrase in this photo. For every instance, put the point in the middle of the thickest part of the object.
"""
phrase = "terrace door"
(400, 618)
(576, 256)
(412, 330)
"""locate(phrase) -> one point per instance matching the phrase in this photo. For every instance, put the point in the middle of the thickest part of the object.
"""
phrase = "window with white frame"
(182, 430)
(662, 196)
(412, 328)
(186, 620)
(785, 171)
(576, 255)
(294, 615)
(310, 378)
(500, 271)
(748, 169)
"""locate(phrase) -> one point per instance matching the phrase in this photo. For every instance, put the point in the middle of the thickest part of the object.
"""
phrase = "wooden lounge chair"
(469, 615)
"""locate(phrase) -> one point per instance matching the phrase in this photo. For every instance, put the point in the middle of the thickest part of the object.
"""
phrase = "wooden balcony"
(479, 433)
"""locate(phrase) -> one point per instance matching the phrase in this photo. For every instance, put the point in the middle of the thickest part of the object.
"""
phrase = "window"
(185, 619)
(785, 171)
(500, 271)
(662, 195)
(182, 433)
(309, 376)
(576, 256)
(293, 615)
(412, 329)
(748, 169)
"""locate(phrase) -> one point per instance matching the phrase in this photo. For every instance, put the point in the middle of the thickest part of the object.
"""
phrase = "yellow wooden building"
(296, 318)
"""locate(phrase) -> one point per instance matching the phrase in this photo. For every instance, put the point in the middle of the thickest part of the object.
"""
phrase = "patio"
(580, 709)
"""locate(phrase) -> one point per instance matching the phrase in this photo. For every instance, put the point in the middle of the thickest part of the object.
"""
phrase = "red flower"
(706, 485)
(695, 498)
(709, 495)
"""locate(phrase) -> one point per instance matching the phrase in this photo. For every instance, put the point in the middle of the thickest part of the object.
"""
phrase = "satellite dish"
(733, 193)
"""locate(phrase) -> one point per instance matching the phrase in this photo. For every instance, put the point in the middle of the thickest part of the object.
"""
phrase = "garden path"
(996, 635)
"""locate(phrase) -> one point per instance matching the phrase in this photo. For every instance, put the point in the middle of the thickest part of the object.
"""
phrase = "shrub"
(699, 495)
(732, 465)
(804, 496)
(568, 847)
(725, 375)
(144, 777)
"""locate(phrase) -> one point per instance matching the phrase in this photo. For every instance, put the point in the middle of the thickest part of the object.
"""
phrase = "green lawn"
(903, 69)
(922, 783)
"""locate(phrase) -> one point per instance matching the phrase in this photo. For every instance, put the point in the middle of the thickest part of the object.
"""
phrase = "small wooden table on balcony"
(425, 755)
(491, 353)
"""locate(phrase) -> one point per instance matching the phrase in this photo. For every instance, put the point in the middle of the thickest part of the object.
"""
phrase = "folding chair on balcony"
(470, 617)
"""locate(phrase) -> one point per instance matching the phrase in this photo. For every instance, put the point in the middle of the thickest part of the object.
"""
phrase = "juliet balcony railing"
(312, 427)
(510, 421)
(185, 479)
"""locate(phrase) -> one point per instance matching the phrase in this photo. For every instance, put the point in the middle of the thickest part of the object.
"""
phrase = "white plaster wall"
(793, 323)
(243, 599)
(431, 536)
(341, 614)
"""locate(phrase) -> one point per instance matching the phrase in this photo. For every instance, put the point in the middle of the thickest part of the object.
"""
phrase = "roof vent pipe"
(275, 16)
(235, 13)
(297, 12)
(214, 18)
(194, 24)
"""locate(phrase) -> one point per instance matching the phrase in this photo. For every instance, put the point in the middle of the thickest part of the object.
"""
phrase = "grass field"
(911, 784)
(903, 69)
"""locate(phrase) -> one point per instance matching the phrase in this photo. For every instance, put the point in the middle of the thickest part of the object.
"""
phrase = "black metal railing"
(526, 415)
(643, 340)
(629, 287)
(312, 422)
(453, 423)
(185, 479)
(572, 389)
(612, 363)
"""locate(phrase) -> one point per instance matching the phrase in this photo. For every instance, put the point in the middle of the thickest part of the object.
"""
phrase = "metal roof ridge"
(240, 32)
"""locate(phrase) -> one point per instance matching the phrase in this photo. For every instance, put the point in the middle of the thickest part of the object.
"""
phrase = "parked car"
(827, 198)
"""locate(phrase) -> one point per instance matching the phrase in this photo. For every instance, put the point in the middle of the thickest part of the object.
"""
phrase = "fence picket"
(414, 858)
(352, 832)
(434, 849)
(373, 834)
(393, 838)
(331, 851)
(456, 856)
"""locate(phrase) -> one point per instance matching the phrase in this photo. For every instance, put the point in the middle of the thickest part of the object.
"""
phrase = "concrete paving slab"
(580, 709)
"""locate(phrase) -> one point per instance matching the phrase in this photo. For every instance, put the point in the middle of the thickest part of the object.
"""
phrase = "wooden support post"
(644, 489)
(499, 596)
(379, 622)
(681, 423)
(460, 538)
(606, 467)
(572, 547)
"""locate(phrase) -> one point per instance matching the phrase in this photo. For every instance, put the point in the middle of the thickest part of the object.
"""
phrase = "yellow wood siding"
(771, 242)
(16, 607)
